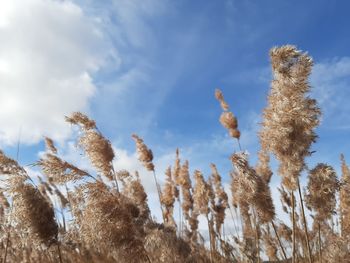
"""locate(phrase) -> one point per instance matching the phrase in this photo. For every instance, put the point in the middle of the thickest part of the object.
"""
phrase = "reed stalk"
(294, 228)
(305, 224)
(279, 240)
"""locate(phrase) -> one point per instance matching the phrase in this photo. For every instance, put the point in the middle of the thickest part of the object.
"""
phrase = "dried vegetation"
(72, 215)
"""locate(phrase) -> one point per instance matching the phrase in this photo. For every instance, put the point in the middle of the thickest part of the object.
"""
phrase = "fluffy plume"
(263, 168)
(96, 147)
(220, 97)
(60, 171)
(200, 194)
(107, 223)
(221, 199)
(50, 146)
(186, 190)
(290, 118)
(136, 192)
(252, 189)
(168, 198)
(15, 174)
(345, 199)
(227, 119)
(34, 215)
(82, 120)
(321, 191)
(145, 154)
(100, 152)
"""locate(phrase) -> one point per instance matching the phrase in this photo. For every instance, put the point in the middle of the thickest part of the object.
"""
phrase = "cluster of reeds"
(68, 214)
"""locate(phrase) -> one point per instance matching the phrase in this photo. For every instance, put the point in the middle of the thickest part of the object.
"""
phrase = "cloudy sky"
(151, 67)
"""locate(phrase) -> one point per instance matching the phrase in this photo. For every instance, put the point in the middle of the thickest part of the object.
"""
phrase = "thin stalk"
(239, 145)
(319, 242)
(6, 247)
(279, 240)
(210, 241)
(305, 224)
(159, 194)
(59, 252)
(294, 228)
(180, 220)
(234, 222)
(115, 179)
(257, 239)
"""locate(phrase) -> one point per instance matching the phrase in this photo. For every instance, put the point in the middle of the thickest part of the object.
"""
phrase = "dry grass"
(70, 215)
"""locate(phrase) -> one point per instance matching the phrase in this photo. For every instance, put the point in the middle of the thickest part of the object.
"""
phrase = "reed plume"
(322, 187)
(60, 171)
(145, 155)
(34, 214)
(98, 149)
(220, 199)
(291, 116)
(227, 119)
(344, 199)
(252, 189)
(186, 190)
(168, 198)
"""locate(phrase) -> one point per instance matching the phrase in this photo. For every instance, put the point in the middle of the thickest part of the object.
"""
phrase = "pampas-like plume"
(78, 118)
(344, 199)
(168, 198)
(34, 214)
(107, 223)
(10, 168)
(263, 168)
(270, 246)
(59, 171)
(136, 192)
(227, 119)
(321, 191)
(290, 117)
(186, 188)
(176, 174)
(145, 155)
(31, 210)
(221, 199)
(97, 148)
(50, 146)
(220, 97)
(100, 152)
(200, 194)
(252, 189)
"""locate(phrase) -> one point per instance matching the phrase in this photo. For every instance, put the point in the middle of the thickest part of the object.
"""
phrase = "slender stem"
(6, 247)
(305, 223)
(159, 194)
(59, 252)
(234, 221)
(239, 145)
(115, 179)
(180, 220)
(257, 239)
(210, 240)
(279, 240)
(294, 228)
(319, 242)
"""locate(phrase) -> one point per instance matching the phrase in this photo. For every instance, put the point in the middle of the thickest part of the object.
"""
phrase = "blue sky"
(151, 67)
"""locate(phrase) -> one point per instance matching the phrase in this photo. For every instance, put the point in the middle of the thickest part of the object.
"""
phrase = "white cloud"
(331, 80)
(48, 51)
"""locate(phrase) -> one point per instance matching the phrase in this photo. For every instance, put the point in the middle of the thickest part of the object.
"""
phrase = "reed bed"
(72, 215)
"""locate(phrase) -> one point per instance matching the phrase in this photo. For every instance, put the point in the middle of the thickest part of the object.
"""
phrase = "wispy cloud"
(48, 51)
(331, 82)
